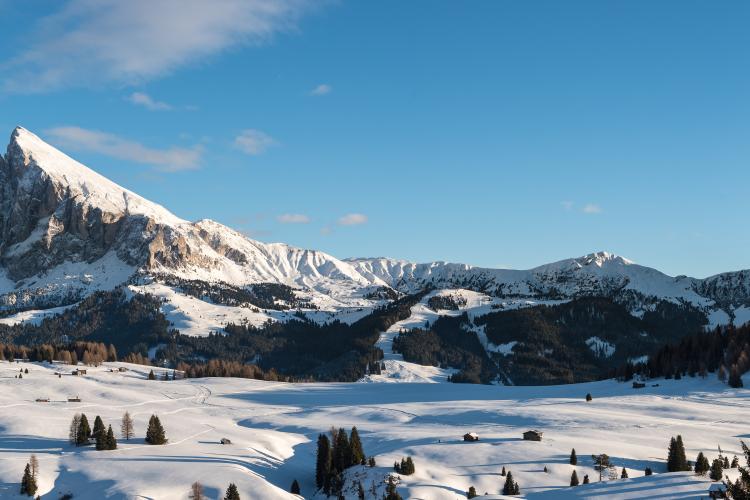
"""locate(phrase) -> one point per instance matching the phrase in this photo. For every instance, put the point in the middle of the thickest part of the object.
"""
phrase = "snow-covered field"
(273, 427)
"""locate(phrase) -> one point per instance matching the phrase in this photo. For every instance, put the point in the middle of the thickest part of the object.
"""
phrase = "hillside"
(273, 428)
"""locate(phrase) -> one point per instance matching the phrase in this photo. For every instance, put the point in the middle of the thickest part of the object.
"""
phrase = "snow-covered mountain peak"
(34, 160)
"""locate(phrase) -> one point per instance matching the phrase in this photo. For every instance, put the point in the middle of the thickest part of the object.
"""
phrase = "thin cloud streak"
(293, 219)
(321, 89)
(592, 208)
(145, 100)
(173, 159)
(352, 220)
(253, 142)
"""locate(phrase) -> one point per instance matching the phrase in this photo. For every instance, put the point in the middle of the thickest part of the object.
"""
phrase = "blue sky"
(497, 133)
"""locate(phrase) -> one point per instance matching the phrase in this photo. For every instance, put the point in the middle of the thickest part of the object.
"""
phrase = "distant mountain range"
(66, 232)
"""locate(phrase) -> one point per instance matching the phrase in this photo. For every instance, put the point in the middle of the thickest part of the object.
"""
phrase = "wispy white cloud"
(172, 159)
(94, 42)
(321, 89)
(145, 100)
(253, 142)
(352, 220)
(293, 219)
(592, 208)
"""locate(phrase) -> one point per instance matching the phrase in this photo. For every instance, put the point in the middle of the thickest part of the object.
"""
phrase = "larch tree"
(196, 491)
(126, 427)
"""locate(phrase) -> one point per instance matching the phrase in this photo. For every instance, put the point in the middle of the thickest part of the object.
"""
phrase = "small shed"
(717, 490)
(638, 385)
(76, 399)
(79, 371)
(122, 369)
(225, 441)
(42, 400)
(471, 436)
(532, 435)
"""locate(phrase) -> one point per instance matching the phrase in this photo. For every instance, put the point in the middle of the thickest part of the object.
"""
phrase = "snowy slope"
(273, 428)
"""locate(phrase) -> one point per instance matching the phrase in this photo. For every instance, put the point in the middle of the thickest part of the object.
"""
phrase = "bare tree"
(34, 465)
(601, 464)
(126, 428)
(196, 491)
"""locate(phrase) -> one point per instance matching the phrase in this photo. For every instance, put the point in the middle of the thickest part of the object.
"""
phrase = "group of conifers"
(81, 434)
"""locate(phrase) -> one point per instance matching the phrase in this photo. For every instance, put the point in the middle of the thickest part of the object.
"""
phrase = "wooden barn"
(471, 436)
(532, 435)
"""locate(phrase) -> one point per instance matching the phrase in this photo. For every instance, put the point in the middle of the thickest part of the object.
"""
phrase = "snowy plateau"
(68, 233)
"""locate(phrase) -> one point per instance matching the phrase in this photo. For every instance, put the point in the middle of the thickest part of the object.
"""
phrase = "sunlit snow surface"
(273, 428)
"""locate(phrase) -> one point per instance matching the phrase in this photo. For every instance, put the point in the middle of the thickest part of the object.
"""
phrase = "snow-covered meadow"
(273, 428)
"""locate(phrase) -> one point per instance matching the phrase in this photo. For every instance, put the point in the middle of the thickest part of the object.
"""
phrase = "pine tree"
(98, 427)
(126, 427)
(624, 474)
(84, 431)
(323, 462)
(509, 487)
(28, 483)
(371, 462)
(717, 470)
(676, 460)
(472, 492)
(360, 491)
(101, 440)
(111, 442)
(232, 493)
(735, 462)
(151, 375)
(75, 424)
(357, 453)
(585, 479)
(588, 397)
(701, 464)
(295, 488)
(155, 432)
(573, 457)
(725, 462)
(502, 472)
(196, 491)
(740, 489)
(574, 479)
(647, 471)
(341, 451)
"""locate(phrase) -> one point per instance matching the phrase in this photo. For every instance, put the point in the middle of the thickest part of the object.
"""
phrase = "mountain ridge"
(67, 231)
